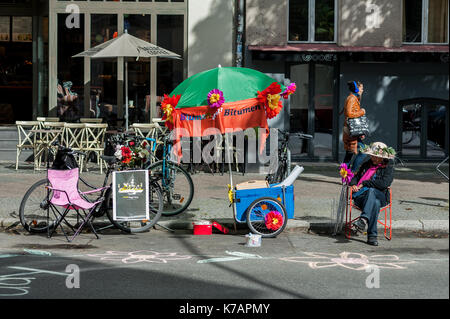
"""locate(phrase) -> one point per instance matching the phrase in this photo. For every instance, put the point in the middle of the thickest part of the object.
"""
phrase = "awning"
(331, 47)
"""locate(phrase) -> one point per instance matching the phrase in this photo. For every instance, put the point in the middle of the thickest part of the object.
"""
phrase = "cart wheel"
(267, 217)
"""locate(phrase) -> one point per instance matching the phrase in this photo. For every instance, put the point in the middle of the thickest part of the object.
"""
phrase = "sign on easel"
(130, 195)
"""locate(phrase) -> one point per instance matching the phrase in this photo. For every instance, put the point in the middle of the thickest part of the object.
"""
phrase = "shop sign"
(327, 57)
(130, 195)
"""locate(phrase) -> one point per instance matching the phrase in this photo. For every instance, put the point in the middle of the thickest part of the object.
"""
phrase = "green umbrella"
(236, 84)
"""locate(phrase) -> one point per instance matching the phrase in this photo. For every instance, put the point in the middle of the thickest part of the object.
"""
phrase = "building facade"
(60, 29)
(397, 49)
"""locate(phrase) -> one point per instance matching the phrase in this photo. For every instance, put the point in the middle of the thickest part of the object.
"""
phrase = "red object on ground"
(202, 228)
(221, 228)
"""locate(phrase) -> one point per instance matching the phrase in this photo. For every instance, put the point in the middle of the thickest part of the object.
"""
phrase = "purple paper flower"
(346, 173)
(215, 98)
(289, 90)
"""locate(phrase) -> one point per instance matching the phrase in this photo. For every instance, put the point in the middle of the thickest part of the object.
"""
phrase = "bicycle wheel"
(267, 217)
(137, 226)
(176, 184)
(34, 207)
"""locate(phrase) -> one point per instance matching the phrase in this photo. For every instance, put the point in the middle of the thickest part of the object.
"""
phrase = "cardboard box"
(252, 184)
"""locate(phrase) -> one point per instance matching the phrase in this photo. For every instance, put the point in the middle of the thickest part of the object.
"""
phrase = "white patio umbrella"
(126, 46)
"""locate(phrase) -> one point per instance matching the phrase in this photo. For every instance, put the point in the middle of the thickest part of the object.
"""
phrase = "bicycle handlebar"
(67, 149)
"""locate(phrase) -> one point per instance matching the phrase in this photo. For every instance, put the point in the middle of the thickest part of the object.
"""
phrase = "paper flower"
(270, 99)
(215, 98)
(168, 105)
(346, 173)
(289, 90)
(273, 220)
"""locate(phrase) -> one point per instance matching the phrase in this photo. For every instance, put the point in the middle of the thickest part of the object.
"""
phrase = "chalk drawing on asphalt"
(348, 260)
(18, 284)
(148, 256)
(236, 256)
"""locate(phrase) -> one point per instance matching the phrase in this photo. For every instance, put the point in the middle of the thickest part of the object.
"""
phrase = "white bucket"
(253, 240)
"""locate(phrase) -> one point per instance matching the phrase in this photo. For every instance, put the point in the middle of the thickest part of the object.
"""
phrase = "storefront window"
(138, 71)
(324, 20)
(70, 89)
(323, 110)
(298, 20)
(103, 72)
(321, 22)
(170, 37)
(412, 20)
(299, 103)
(416, 14)
(438, 21)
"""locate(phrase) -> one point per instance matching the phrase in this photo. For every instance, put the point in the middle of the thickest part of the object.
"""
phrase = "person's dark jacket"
(382, 180)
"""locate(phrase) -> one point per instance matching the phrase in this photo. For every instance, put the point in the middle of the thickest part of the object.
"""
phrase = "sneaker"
(372, 241)
(360, 224)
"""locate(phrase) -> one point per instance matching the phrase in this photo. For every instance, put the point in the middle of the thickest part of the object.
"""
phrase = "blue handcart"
(265, 209)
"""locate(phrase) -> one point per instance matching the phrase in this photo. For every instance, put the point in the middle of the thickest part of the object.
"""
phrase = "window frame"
(424, 27)
(312, 23)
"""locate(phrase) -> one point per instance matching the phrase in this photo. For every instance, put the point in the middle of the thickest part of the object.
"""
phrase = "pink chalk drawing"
(353, 261)
(134, 257)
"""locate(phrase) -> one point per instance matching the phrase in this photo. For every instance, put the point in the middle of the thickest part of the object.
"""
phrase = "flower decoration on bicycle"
(270, 99)
(134, 155)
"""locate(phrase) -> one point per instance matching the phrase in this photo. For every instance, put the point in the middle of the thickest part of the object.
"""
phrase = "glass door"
(323, 110)
(311, 109)
(423, 131)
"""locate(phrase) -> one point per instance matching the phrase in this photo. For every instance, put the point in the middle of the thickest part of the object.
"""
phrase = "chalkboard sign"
(130, 195)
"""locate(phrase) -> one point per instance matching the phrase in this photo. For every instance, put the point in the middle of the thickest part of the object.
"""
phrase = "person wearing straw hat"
(370, 187)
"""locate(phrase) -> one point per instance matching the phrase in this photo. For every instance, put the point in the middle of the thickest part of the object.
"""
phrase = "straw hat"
(379, 149)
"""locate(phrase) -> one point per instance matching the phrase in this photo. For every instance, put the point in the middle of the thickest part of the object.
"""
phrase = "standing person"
(352, 109)
(370, 187)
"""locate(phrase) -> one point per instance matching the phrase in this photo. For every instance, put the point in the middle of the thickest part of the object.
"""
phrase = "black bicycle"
(281, 171)
(34, 208)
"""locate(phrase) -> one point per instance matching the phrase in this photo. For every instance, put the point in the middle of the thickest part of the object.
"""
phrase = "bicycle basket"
(64, 160)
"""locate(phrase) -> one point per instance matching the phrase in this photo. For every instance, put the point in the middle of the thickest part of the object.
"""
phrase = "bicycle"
(34, 208)
(175, 182)
(283, 169)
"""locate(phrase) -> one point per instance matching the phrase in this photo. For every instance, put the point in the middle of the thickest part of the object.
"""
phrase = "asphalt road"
(160, 264)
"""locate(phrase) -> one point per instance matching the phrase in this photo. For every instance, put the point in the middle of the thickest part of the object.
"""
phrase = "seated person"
(370, 187)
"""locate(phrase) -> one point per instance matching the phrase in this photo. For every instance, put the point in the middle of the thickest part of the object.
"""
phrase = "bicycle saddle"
(109, 159)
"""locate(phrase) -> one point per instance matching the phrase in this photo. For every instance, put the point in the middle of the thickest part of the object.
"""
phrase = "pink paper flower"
(215, 98)
(289, 90)
(346, 173)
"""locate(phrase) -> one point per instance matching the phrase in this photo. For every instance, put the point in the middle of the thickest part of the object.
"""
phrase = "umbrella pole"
(227, 147)
(126, 95)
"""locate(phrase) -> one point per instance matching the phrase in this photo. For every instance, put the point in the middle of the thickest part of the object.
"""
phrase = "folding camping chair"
(387, 210)
(65, 194)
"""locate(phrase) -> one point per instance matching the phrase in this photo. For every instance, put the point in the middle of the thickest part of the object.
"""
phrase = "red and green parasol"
(224, 98)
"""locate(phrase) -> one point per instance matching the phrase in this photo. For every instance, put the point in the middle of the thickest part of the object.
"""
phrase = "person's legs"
(370, 202)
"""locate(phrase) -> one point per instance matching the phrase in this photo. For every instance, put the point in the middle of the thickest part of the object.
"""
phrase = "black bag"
(358, 126)
(64, 160)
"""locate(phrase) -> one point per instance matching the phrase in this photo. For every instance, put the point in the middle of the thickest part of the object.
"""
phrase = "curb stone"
(293, 225)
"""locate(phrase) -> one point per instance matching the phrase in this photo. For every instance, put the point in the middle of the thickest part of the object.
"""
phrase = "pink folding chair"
(64, 184)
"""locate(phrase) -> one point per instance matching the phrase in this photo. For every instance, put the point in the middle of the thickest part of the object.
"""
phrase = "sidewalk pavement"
(420, 197)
